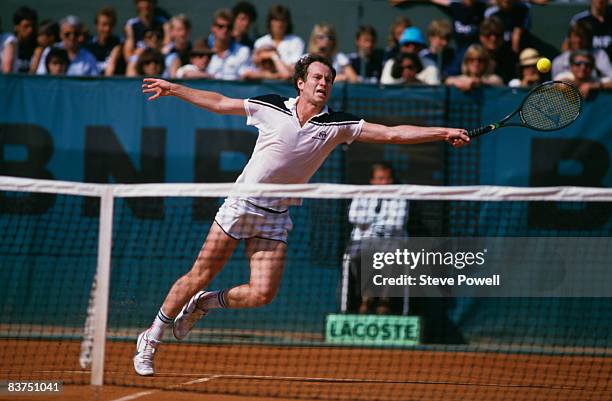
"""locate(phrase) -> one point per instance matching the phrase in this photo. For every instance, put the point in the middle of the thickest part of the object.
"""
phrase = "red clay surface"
(186, 372)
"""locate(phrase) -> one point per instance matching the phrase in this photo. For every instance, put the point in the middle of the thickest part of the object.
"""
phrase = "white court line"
(169, 388)
(137, 395)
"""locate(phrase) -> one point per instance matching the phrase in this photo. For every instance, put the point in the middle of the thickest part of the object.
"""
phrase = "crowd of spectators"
(479, 44)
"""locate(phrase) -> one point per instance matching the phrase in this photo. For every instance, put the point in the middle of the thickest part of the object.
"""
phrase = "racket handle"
(473, 133)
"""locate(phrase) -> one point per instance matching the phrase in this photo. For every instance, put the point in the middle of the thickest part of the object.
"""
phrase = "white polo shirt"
(285, 152)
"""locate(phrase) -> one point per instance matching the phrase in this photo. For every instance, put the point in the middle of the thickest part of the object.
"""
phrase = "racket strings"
(551, 107)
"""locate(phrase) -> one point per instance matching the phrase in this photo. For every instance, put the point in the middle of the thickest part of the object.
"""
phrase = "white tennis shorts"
(242, 219)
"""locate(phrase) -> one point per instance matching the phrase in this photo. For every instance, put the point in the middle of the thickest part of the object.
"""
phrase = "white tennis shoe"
(145, 351)
(190, 314)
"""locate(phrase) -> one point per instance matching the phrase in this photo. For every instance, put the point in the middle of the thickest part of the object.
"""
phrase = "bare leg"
(266, 259)
(216, 250)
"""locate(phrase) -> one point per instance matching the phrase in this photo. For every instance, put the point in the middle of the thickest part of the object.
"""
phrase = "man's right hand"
(158, 87)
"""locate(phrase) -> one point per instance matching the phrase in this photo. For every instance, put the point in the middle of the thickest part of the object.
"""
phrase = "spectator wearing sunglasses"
(230, 58)
(406, 68)
(82, 62)
(581, 74)
(324, 42)
(580, 37)
(475, 71)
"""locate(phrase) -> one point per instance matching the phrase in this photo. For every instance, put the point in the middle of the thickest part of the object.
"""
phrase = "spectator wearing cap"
(475, 71)
(528, 74)
(412, 41)
(581, 74)
(580, 37)
(82, 62)
(199, 57)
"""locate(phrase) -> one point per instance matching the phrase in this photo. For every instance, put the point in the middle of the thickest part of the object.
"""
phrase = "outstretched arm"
(410, 134)
(211, 101)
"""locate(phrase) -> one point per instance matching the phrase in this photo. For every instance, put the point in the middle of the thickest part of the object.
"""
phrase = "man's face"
(438, 43)
(104, 26)
(179, 32)
(278, 27)
(582, 68)
(70, 37)
(24, 29)
(576, 42)
(381, 176)
(599, 5)
(492, 40)
(242, 22)
(221, 30)
(365, 44)
(318, 85)
(145, 8)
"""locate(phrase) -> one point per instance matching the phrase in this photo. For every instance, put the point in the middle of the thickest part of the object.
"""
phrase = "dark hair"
(244, 7)
(383, 165)
(24, 13)
(108, 12)
(147, 56)
(57, 53)
(491, 25)
(49, 28)
(396, 71)
(280, 12)
(301, 68)
(366, 29)
(584, 30)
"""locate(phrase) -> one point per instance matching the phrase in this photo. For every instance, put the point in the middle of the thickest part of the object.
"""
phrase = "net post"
(102, 286)
(346, 262)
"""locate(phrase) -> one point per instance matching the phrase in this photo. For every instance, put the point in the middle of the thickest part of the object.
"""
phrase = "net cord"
(316, 191)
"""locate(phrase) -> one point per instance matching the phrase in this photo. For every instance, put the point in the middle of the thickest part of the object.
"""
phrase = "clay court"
(240, 372)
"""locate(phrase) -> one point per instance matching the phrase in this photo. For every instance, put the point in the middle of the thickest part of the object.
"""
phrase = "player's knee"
(264, 296)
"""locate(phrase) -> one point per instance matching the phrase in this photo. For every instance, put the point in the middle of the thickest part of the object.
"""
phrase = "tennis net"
(85, 268)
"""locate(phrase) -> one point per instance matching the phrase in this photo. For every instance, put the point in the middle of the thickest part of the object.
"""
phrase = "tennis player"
(295, 137)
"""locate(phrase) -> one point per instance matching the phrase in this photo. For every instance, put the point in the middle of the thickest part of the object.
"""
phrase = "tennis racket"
(547, 107)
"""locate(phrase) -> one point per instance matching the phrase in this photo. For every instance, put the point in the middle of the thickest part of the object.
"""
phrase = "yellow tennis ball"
(544, 65)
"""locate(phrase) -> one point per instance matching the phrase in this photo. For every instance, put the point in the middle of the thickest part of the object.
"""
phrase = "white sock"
(212, 300)
(156, 332)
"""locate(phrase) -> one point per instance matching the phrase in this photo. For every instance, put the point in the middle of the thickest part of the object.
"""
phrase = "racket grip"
(473, 133)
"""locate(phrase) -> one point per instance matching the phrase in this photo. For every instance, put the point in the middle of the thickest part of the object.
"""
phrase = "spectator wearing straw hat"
(412, 41)
(527, 70)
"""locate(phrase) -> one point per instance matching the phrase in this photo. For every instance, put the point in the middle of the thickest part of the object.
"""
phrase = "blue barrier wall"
(106, 131)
